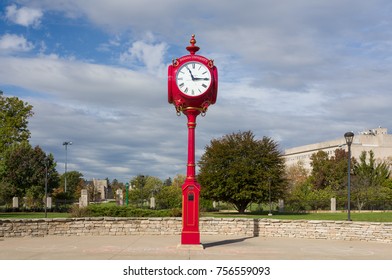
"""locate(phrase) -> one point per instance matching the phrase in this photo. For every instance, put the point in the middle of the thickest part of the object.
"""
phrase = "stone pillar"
(15, 202)
(333, 204)
(49, 202)
(83, 201)
(119, 197)
(152, 202)
(281, 205)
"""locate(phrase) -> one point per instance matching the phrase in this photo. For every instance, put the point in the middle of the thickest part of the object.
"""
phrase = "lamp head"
(349, 136)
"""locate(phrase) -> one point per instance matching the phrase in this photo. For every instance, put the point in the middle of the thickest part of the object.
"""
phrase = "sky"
(95, 71)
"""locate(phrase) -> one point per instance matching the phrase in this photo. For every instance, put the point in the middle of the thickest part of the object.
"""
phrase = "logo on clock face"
(193, 78)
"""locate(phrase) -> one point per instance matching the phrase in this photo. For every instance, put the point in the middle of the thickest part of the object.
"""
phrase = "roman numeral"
(204, 85)
(186, 90)
(181, 85)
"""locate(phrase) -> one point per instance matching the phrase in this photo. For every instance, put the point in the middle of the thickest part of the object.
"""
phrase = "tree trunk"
(241, 207)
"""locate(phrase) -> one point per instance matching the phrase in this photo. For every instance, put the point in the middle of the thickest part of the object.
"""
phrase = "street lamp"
(66, 143)
(349, 136)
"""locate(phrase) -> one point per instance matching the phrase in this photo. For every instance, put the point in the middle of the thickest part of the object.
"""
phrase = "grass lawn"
(32, 215)
(339, 216)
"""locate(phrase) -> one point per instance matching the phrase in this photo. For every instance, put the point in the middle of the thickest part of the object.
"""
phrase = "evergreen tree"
(369, 178)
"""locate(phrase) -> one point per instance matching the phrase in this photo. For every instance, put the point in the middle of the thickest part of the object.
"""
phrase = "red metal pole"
(191, 115)
(190, 189)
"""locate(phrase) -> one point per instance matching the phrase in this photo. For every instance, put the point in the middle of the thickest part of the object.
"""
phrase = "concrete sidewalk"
(216, 247)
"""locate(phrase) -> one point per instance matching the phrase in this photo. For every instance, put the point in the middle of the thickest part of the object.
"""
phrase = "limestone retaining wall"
(363, 231)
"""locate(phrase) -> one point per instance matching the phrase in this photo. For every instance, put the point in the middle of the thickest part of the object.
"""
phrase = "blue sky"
(95, 71)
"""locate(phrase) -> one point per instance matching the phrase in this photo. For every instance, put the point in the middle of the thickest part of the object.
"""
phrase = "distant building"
(378, 140)
(99, 189)
(101, 186)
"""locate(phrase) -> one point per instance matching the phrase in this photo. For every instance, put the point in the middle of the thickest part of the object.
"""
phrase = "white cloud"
(149, 54)
(297, 71)
(11, 43)
(82, 83)
(24, 16)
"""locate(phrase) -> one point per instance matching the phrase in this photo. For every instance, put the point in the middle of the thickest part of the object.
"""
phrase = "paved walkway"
(216, 247)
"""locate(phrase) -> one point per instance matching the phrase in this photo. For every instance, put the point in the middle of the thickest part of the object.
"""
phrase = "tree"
(142, 188)
(239, 169)
(167, 182)
(14, 114)
(170, 196)
(296, 175)
(75, 183)
(34, 196)
(369, 178)
(320, 169)
(179, 180)
(329, 172)
(23, 167)
(114, 186)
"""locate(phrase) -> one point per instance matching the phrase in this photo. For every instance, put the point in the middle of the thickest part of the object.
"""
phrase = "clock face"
(193, 78)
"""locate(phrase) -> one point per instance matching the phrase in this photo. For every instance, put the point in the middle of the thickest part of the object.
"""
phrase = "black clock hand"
(193, 78)
(201, 79)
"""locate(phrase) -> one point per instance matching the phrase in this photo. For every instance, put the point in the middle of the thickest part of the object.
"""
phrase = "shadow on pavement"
(225, 242)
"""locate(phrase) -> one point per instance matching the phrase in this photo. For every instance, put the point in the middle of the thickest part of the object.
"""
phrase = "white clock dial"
(193, 78)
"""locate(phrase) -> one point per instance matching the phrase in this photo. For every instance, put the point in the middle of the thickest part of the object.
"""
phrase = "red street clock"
(192, 87)
(192, 81)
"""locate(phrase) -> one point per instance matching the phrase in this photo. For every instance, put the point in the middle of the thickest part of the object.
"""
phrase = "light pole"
(66, 143)
(126, 193)
(46, 186)
(270, 202)
(142, 182)
(269, 191)
(349, 136)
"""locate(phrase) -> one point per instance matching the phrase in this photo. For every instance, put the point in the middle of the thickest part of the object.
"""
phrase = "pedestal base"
(190, 238)
(198, 247)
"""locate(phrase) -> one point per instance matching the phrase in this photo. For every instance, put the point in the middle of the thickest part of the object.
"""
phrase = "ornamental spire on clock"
(192, 48)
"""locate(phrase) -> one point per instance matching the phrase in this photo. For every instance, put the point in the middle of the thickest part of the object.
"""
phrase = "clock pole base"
(190, 238)
(198, 247)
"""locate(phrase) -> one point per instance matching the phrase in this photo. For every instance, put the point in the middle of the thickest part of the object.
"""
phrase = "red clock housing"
(183, 101)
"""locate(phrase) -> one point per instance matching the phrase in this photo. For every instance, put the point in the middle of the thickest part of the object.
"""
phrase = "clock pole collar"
(192, 48)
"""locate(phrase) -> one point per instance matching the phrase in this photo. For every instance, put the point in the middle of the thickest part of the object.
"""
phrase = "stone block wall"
(338, 230)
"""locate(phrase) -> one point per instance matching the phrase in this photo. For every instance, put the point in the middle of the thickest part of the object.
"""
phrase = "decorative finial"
(192, 48)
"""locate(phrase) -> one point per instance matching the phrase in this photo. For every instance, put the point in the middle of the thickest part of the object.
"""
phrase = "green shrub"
(112, 210)
(76, 211)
